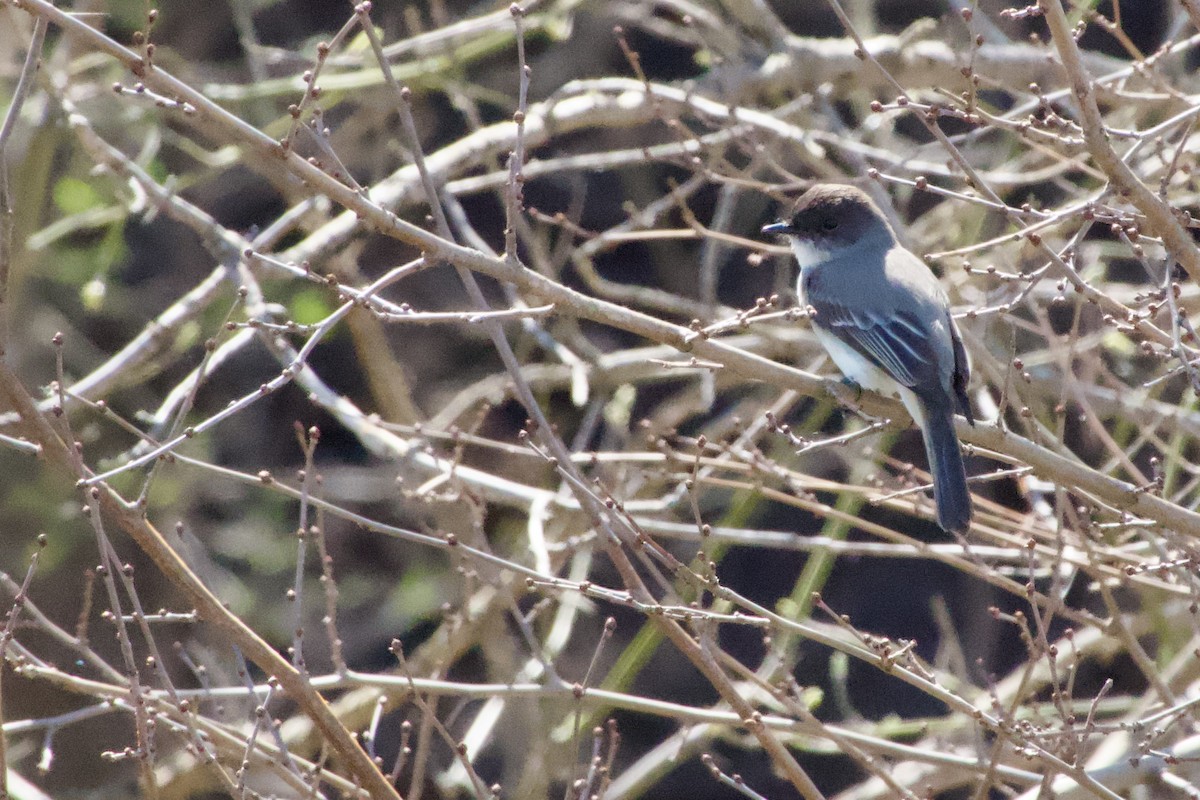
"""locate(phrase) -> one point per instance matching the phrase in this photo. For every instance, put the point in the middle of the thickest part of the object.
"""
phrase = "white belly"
(855, 367)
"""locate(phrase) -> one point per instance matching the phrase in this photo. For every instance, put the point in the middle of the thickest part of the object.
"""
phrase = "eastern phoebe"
(885, 321)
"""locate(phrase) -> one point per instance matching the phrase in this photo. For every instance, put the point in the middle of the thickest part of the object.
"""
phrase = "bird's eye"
(829, 223)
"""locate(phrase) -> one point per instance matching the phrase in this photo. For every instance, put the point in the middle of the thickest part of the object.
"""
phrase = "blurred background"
(127, 211)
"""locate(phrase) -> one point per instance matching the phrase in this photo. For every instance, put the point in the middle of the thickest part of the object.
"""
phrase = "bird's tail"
(946, 465)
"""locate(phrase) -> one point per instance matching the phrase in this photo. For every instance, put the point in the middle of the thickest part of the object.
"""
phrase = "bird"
(884, 319)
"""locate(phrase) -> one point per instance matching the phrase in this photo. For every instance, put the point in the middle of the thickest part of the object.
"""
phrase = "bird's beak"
(778, 228)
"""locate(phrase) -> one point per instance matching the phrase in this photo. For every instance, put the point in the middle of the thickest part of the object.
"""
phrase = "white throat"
(808, 254)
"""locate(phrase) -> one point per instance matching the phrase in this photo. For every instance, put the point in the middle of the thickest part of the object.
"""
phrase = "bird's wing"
(897, 341)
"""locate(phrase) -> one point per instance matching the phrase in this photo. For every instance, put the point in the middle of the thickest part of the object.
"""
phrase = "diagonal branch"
(56, 452)
(1158, 212)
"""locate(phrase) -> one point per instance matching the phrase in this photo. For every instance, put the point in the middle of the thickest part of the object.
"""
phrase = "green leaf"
(309, 306)
(73, 196)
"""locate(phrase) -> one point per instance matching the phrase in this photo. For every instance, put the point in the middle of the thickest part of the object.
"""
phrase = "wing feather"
(898, 343)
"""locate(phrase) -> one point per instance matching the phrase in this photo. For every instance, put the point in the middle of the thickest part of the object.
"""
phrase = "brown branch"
(58, 455)
(1047, 463)
(1159, 214)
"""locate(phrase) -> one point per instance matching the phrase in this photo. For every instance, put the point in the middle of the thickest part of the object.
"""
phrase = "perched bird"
(885, 321)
